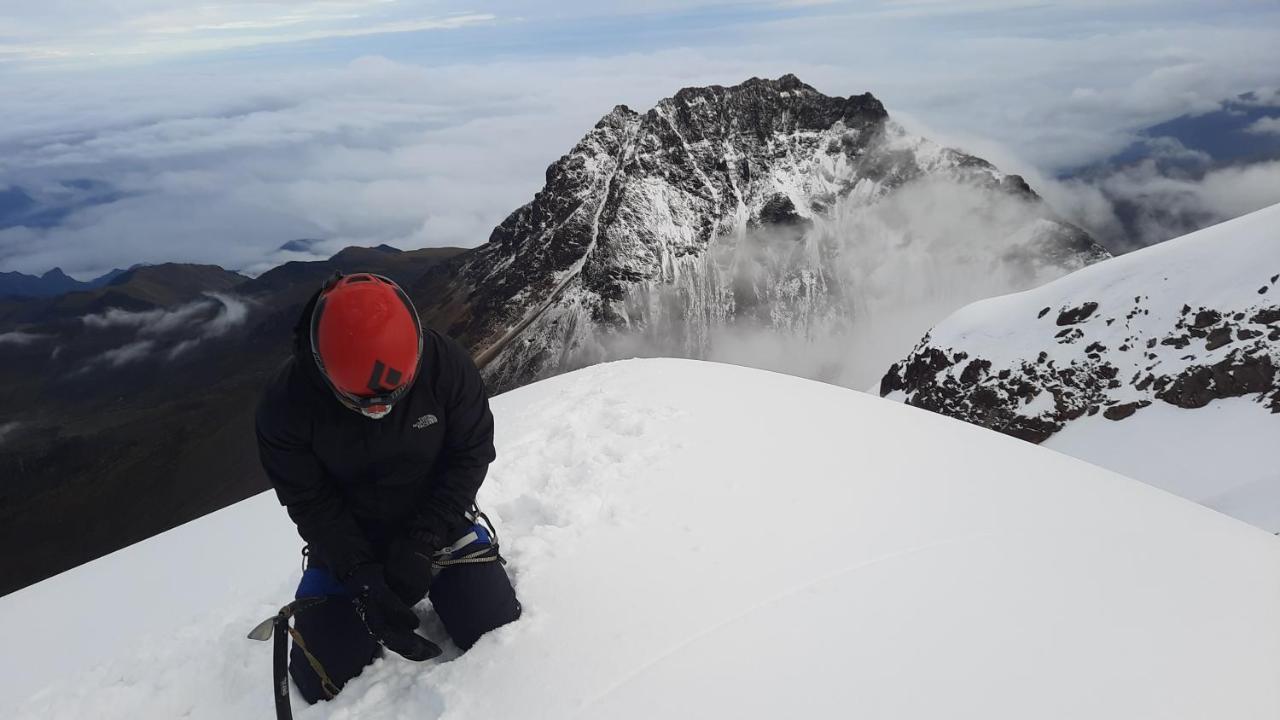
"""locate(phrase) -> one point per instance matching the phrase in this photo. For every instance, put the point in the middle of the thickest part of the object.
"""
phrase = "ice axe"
(278, 625)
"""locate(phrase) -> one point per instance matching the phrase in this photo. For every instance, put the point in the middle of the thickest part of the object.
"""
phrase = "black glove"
(389, 620)
(409, 565)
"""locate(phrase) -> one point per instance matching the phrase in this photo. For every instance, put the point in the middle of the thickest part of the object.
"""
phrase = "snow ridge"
(679, 531)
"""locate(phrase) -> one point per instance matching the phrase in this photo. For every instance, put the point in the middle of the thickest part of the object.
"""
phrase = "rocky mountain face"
(766, 205)
(1184, 323)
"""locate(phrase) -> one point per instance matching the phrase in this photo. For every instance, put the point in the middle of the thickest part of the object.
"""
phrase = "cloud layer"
(7, 429)
(62, 31)
(418, 138)
(166, 333)
(19, 337)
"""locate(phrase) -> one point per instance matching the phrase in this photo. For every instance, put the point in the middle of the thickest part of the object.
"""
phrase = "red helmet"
(367, 341)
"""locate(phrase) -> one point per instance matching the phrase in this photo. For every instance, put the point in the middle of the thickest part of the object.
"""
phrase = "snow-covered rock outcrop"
(701, 540)
(1192, 323)
(763, 205)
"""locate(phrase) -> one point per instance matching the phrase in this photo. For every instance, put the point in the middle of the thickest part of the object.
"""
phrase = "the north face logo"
(425, 421)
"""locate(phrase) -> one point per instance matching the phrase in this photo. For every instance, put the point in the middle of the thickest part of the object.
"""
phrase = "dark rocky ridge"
(1204, 355)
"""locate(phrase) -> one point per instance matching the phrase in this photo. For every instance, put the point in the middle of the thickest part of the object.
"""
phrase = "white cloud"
(232, 313)
(7, 429)
(148, 322)
(18, 337)
(182, 328)
(1160, 207)
(1234, 191)
(94, 32)
(182, 348)
(1265, 126)
(126, 354)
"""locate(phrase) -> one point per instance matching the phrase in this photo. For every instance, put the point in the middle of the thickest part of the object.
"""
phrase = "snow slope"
(1236, 475)
(702, 540)
(1163, 364)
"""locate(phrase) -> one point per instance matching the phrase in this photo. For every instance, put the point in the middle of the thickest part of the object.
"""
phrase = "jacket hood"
(303, 357)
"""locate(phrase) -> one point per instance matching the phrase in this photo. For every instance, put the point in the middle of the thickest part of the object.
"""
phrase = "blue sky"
(216, 132)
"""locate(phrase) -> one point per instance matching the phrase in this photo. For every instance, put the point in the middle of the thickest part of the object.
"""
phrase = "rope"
(326, 683)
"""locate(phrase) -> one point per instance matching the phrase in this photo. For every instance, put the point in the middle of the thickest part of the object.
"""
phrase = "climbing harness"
(458, 554)
(480, 545)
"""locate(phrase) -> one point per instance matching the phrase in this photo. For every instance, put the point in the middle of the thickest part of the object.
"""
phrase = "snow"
(1221, 267)
(87, 615)
(1225, 459)
(700, 540)
(1221, 455)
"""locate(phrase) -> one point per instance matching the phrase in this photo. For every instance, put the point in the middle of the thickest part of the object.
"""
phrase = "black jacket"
(352, 484)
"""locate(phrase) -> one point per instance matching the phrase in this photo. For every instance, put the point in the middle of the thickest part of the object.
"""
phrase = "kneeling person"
(376, 436)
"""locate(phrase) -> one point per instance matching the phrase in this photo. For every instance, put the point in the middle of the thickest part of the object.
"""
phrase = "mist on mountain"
(899, 265)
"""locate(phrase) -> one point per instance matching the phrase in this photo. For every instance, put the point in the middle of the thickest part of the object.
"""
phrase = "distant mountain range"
(53, 282)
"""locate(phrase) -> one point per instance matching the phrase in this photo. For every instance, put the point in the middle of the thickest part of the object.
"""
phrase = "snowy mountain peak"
(762, 106)
(764, 204)
(1180, 339)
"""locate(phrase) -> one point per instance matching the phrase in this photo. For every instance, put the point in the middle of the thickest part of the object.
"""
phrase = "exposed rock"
(1120, 412)
(780, 210)
(1232, 377)
(1267, 316)
(1205, 318)
(1219, 337)
(1077, 314)
(974, 371)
